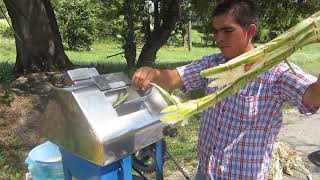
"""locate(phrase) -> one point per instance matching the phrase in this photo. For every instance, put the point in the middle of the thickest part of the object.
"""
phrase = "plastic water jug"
(44, 162)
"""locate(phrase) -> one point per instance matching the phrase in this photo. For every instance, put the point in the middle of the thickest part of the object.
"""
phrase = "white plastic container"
(45, 163)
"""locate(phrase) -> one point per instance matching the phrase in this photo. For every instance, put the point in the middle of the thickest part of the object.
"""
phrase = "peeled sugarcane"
(235, 73)
(122, 96)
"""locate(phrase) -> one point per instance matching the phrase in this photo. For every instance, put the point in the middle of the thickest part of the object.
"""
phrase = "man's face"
(230, 37)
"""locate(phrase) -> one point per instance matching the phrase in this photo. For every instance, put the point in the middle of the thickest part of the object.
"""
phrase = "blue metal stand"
(74, 166)
(159, 160)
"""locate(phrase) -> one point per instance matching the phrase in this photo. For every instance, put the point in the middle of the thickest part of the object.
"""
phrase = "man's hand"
(167, 78)
(143, 77)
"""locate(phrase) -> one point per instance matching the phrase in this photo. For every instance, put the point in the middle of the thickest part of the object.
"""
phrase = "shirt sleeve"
(190, 75)
(293, 86)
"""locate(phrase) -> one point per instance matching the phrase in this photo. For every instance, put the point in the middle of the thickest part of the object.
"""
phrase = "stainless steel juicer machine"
(101, 118)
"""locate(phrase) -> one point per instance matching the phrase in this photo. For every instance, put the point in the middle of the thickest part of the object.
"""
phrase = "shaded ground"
(21, 104)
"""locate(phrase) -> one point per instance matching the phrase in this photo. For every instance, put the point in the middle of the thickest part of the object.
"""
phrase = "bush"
(5, 29)
(263, 35)
(77, 20)
(3, 7)
(110, 19)
(204, 27)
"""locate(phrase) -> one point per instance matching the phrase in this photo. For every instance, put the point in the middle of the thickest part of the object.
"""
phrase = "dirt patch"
(302, 133)
(21, 104)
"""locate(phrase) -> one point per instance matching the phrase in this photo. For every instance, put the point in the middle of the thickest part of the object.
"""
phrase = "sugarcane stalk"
(235, 73)
(121, 98)
(291, 68)
(165, 94)
(187, 109)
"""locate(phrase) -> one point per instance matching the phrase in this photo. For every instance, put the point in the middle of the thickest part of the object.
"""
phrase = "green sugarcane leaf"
(165, 94)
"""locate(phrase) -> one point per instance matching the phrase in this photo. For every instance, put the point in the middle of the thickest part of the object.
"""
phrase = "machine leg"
(127, 168)
(159, 160)
(67, 175)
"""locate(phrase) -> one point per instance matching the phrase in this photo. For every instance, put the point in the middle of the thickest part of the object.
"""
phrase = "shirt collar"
(221, 59)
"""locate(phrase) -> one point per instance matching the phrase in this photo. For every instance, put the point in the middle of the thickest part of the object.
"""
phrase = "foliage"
(276, 16)
(205, 28)
(5, 29)
(176, 38)
(110, 19)
(6, 72)
(77, 21)
(3, 8)
(201, 19)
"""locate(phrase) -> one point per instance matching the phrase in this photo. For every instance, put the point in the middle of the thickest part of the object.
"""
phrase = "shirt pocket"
(241, 110)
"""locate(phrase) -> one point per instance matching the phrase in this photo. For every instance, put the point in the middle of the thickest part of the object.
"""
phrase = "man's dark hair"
(244, 11)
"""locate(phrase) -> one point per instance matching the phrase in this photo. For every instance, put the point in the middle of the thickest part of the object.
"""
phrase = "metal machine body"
(81, 119)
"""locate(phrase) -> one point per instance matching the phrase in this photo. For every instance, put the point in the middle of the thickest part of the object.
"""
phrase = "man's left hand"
(312, 95)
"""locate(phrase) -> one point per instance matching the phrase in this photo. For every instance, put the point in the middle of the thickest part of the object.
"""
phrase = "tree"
(38, 41)
(278, 16)
(169, 12)
(77, 21)
(201, 19)
(129, 34)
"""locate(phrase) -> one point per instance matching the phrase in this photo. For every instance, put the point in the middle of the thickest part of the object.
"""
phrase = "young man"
(237, 135)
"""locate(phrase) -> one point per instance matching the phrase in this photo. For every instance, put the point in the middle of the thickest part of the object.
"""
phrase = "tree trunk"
(38, 42)
(156, 14)
(189, 36)
(187, 43)
(160, 36)
(146, 22)
(130, 42)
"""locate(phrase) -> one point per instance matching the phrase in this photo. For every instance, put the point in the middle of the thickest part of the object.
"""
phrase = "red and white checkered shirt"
(237, 135)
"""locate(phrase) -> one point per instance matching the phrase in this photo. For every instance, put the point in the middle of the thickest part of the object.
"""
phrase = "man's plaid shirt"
(237, 135)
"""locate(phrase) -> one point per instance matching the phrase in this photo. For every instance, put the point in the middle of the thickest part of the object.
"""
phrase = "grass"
(166, 57)
(183, 147)
(10, 167)
(308, 58)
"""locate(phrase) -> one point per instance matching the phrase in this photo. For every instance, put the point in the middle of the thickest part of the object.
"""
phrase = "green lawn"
(308, 57)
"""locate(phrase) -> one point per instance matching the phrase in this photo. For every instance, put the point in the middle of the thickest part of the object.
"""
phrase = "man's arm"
(167, 78)
(311, 97)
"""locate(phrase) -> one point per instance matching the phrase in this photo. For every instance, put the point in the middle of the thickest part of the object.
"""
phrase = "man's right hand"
(166, 78)
(142, 78)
